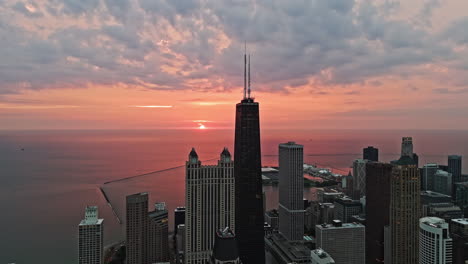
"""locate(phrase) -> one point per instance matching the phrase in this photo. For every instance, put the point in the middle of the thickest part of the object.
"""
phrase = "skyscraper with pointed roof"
(247, 172)
(209, 195)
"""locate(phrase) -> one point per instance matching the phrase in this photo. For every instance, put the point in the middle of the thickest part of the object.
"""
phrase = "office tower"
(291, 191)
(407, 151)
(272, 218)
(137, 228)
(180, 244)
(461, 196)
(377, 209)
(158, 234)
(179, 217)
(370, 153)
(455, 167)
(209, 202)
(459, 234)
(405, 211)
(435, 244)
(407, 146)
(319, 256)
(343, 241)
(225, 248)
(428, 199)
(446, 211)
(345, 208)
(428, 172)
(443, 182)
(248, 180)
(359, 178)
(90, 237)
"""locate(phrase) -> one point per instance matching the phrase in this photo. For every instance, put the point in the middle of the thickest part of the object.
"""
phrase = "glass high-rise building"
(377, 209)
(455, 167)
(248, 181)
(370, 153)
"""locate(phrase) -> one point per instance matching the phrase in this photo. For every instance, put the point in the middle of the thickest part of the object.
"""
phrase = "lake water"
(45, 188)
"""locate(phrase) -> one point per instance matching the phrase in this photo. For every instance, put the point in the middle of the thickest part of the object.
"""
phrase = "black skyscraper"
(377, 209)
(370, 153)
(248, 178)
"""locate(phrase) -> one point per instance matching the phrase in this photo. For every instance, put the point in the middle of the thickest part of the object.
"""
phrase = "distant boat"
(22, 149)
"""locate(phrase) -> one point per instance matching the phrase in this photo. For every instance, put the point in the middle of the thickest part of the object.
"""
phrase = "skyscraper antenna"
(245, 69)
(248, 96)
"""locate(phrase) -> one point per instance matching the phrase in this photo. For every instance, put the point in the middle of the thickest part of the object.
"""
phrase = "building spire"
(248, 91)
(245, 69)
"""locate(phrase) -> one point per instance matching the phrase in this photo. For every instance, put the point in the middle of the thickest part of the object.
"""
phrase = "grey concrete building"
(137, 228)
(90, 237)
(158, 234)
(345, 208)
(291, 190)
(209, 204)
(405, 212)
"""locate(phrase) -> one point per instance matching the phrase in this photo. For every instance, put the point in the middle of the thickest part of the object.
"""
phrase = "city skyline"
(135, 64)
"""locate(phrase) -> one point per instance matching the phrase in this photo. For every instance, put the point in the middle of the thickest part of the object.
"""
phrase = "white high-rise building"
(359, 177)
(209, 201)
(345, 242)
(90, 237)
(435, 244)
(291, 191)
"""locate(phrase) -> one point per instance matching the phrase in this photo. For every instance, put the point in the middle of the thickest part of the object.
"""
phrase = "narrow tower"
(248, 180)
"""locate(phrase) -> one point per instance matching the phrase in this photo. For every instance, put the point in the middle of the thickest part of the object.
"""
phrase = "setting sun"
(201, 126)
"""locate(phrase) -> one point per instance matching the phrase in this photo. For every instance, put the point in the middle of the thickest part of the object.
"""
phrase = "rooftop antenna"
(245, 69)
(249, 80)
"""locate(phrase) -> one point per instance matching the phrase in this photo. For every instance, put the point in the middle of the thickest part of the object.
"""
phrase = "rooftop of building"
(225, 247)
(462, 221)
(348, 201)
(290, 144)
(433, 222)
(293, 249)
(96, 222)
(442, 173)
(340, 225)
(320, 253)
(446, 209)
(454, 156)
(272, 213)
(434, 194)
(465, 184)
(405, 161)
(431, 165)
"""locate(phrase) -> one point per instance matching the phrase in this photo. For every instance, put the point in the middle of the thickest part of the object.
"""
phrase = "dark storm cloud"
(165, 44)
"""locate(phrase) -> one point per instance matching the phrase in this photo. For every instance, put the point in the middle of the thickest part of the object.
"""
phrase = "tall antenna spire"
(245, 69)
(249, 80)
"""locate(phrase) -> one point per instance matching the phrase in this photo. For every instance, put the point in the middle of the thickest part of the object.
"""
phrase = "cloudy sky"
(316, 64)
